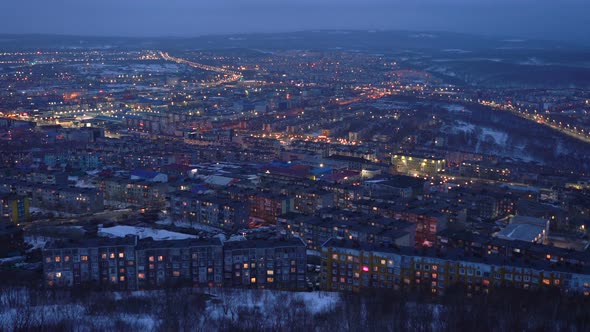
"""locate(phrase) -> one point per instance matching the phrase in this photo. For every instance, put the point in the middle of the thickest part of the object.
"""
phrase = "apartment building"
(105, 263)
(191, 262)
(131, 264)
(275, 264)
(350, 266)
(209, 210)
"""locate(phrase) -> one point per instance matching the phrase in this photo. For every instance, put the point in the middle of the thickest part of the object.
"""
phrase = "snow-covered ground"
(201, 227)
(24, 309)
(313, 253)
(456, 50)
(319, 302)
(235, 237)
(229, 301)
(33, 210)
(499, 137)
(11, 260)
(36, 241)
(455, 108)
(143, 232)
(84, 184)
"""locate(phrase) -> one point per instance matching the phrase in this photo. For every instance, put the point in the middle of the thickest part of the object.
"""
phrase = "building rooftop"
(523, 232)
(270, 243)
(522, 246)
(97, 242)
(148, 243)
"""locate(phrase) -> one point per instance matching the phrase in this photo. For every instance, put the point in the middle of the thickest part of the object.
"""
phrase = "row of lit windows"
(83, 258)
(425, 267)
(112, 255)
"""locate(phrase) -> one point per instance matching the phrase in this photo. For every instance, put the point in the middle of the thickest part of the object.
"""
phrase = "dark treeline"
(187, 309)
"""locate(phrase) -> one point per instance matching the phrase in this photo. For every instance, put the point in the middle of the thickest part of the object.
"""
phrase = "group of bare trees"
(459, 310)
(190, 309)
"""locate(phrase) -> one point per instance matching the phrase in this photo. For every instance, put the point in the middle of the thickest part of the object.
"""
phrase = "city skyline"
(295, 166)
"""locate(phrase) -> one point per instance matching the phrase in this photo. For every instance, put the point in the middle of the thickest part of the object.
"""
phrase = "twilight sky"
(556, 19)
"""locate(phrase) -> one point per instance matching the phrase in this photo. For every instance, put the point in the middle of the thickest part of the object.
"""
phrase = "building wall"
(157, 265)
(15, 209)
(71, 200)
(196, 266)
(347, 269)
(140, 193)
(209, 210)
(415, 165)
(112, 267)
(277, 268)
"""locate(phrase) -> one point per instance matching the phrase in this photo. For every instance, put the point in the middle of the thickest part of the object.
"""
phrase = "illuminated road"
(231, 76)
(571, 131)
(567, 130)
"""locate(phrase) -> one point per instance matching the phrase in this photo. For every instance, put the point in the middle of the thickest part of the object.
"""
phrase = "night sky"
(557, 19)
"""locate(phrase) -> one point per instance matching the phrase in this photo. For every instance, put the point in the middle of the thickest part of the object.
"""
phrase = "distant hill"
(371, 41)
(477, 60)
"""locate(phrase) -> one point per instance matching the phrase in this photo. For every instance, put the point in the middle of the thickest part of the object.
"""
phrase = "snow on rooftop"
(143, 232)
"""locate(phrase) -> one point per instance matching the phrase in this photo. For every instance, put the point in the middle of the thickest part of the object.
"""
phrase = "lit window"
(67, 258)
(176, 273)
(141, 275)
(151, 259)
(83, 258)
(57, 259)
(122, 278)
(270, 272)
(365, 269)
(160, 258)
(112, 255)
(58, 274)
(245, 265)
(121, 255)
(269, 279)
(253, 280)
(103, 256)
